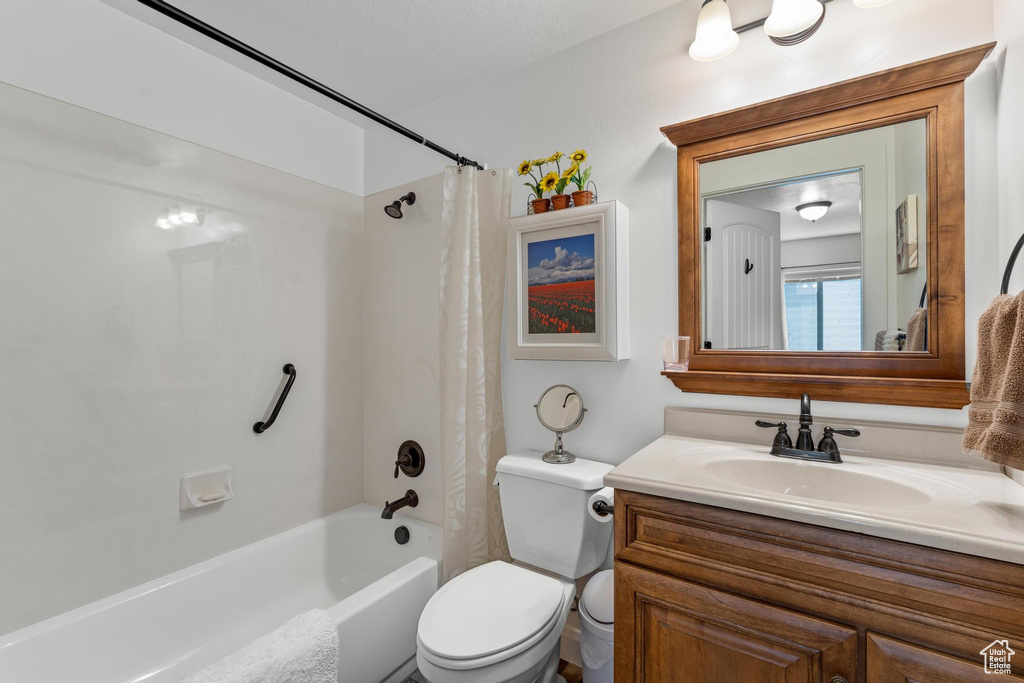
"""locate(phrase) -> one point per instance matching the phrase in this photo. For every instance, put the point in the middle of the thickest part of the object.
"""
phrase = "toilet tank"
(544, 507)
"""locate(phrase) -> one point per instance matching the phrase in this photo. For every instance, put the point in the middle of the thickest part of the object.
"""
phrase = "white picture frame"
(559, 245)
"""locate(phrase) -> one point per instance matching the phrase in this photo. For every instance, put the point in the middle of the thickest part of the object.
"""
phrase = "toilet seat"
(491, 614)
(494, 623)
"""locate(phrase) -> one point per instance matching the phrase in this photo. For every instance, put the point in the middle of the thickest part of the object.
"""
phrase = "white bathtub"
(348, 563)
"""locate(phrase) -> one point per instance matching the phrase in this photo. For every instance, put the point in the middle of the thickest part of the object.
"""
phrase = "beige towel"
(996, 427)
(917, 329)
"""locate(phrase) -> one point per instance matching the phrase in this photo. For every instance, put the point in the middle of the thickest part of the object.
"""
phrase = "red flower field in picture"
(563, 308)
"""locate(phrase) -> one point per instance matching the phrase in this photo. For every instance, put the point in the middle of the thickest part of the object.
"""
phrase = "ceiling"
(843, 218)
(397, 55)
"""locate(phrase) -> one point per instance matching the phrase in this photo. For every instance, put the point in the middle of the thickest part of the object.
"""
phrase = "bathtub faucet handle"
(404, 460)
(410, 459)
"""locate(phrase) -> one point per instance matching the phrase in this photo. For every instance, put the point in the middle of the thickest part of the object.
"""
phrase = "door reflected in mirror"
(819, 246)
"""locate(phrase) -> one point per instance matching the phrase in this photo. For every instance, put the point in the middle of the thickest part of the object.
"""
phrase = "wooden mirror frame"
(932, 90)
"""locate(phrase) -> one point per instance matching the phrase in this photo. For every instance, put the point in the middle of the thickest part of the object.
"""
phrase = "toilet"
(502, 622)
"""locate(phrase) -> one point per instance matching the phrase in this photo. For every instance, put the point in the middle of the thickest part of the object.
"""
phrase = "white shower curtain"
(474, 223)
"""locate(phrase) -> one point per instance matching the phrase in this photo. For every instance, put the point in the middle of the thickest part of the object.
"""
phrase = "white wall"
(611, 95)
(821, 250)
(131, 355)
(401, 318)
(911, 177)
(93, 55)
(1009, 16)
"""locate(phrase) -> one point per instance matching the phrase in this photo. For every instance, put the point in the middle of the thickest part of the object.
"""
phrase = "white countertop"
(969, 511)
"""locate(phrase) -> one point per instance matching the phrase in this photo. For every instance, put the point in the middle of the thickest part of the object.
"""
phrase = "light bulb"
(163, 222)
(715, 35)
(814, 210)
(790, 17)
(871, 3)
(174, 215)
(188, 215)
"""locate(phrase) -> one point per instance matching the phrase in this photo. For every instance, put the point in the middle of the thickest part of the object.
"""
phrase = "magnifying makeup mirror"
(560, 409)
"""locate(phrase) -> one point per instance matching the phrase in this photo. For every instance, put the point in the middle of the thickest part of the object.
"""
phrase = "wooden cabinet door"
(893, 661)
(672, 631)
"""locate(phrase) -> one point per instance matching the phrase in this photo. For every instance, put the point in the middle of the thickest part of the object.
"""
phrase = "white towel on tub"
(303, 650)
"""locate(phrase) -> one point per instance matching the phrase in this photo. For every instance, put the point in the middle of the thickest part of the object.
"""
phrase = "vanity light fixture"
(163, 221)
(812, 211)
(175, 214)
(790, 22)
(715, 35)
(794, 21)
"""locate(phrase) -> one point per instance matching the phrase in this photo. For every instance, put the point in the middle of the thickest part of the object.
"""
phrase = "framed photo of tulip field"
(568, 284)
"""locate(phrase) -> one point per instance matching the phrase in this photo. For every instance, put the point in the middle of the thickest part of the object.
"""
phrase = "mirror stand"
(560, 409)
(558, 455)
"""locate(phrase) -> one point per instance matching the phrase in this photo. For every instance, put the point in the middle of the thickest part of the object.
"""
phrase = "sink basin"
(818, 481)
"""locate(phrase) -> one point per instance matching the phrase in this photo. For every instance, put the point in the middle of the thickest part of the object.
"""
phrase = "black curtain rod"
(216, 34)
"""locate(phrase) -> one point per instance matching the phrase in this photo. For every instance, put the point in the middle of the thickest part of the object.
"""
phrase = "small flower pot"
(540, 205)
(582, 198)
(560, 201)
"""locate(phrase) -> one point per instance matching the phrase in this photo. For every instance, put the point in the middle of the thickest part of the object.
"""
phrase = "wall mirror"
(821, 241)
(819, 246)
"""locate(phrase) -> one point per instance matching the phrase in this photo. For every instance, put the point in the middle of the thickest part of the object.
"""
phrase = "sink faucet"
(410, 499)
(804, 440)
(827, 450)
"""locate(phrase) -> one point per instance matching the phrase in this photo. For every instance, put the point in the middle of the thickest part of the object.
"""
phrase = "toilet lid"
(488, 609)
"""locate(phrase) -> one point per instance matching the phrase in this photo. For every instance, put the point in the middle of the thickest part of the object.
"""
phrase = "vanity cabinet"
(709, 595)
(695, 633)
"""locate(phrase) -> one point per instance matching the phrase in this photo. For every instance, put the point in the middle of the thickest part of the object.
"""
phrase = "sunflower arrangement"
(552, 181)
(556, 181)
(579, 176)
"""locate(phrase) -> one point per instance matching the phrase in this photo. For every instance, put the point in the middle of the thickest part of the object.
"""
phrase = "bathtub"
(347, 563)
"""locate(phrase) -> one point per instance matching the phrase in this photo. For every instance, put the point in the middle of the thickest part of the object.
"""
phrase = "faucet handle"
(403, 461)
(829, 445)
(782, 439)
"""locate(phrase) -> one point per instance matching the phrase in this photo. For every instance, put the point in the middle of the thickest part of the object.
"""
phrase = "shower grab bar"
(261, 427)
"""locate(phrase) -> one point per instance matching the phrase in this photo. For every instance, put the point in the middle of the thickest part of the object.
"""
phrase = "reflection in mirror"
(818, 246)
(561, 410)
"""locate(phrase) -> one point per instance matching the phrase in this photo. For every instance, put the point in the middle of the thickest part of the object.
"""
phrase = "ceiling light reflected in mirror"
(812, 211)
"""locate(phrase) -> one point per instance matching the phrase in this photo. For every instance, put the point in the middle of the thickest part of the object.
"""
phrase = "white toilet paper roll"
(605, 495)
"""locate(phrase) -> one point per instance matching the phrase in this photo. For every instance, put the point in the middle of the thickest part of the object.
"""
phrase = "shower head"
(394, 209)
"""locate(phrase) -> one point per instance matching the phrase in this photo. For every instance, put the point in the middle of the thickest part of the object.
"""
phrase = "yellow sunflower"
(554, 157)
(579, 156)
(539, 162)
(548, 182)
(525, 167)
(571, 171)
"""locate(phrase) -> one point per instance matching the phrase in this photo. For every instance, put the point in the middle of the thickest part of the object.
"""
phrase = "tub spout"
(410, 499)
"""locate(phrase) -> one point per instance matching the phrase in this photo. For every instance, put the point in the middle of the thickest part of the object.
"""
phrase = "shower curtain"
(474, 242)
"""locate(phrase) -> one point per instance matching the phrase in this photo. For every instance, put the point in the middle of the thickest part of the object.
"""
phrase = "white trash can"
(597, 622)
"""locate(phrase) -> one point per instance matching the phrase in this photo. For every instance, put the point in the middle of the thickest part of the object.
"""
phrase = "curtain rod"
(252, 53)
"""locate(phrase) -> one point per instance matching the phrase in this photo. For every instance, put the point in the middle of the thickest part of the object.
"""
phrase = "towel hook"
(1009, 265)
